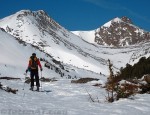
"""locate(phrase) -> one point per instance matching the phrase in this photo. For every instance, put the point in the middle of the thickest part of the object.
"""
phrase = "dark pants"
(34, 73)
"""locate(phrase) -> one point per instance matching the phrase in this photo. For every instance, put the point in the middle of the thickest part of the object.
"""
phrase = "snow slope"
(14, 60)
(68, 99)
(88, 36)
(14, 56)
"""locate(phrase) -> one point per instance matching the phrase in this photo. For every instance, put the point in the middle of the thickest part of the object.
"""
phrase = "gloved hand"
(41, 69)
(26, 70)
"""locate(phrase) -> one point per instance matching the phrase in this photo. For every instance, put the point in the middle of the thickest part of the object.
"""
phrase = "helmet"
(34, 54)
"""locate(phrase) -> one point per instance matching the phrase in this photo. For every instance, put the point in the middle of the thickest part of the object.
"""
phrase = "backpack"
(34, 63)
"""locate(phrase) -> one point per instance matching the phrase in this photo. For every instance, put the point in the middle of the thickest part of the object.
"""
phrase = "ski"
(47, 91)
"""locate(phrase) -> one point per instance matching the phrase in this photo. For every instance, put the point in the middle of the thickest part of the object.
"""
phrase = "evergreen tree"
(137, 70)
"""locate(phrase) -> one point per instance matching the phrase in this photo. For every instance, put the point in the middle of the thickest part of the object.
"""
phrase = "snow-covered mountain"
(46, 35)
(117, 32)
(42, 32)
(38, 29)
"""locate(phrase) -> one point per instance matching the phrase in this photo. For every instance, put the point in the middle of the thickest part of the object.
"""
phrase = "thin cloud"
(139, 16)
(105, 4)
(115, 6)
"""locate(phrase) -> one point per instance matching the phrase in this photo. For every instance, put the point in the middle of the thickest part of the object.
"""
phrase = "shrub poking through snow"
(0, 85)
(43, 79)
(27, 80)
(8, 89)
(117, 89)
(111, 84)
(145, 88)
(84, 80)
(126, 89)
(9, 78)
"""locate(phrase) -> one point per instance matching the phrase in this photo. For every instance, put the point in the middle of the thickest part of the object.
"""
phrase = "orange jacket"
(38, 63)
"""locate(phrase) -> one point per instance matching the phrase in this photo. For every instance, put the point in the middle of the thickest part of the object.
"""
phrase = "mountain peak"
(120, 32)
(37, 21)
(39, 17)
(126, 19)
(22, 12)
(33, 13)
(29, 11)
(117, 19)
(41, 12)
(108, 24)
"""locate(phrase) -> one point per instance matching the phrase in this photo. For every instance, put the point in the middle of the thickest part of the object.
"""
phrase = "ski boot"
(31, 88)
(37, 88)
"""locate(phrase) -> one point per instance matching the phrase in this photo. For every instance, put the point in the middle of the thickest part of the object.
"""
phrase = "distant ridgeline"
(137, 70)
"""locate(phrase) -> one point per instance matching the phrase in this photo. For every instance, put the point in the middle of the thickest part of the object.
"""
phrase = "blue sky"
(83, 14)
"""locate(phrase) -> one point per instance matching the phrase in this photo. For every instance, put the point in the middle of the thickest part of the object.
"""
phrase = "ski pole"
(41, 80)
(24, 81)
(23, 86)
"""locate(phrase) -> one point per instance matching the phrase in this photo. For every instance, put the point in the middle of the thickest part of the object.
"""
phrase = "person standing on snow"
(34, 62)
